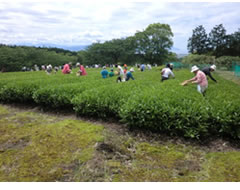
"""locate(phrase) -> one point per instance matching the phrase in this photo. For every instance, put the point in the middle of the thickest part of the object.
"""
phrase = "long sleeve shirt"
(66, 69)
(200, 79)
(207, 72)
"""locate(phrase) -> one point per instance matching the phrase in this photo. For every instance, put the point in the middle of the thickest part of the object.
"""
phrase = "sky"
(67, 23)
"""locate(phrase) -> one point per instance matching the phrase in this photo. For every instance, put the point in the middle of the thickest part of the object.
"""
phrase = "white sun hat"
(213, 67)
(132, 70)
(194, 68)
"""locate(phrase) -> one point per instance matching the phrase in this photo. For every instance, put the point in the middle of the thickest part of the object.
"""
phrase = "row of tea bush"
(144, 103)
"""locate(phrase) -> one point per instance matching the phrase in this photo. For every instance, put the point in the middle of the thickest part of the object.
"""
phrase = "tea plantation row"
(143, 103)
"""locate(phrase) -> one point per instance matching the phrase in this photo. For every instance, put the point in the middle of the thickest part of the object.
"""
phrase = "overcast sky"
(82, 22)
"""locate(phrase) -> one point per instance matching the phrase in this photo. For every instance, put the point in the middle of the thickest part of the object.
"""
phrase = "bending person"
(66, 68)
(200, 79)
(166, 73)
(129, 74)
(207, 71)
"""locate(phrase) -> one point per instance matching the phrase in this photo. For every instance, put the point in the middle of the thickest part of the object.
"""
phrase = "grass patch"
(223, 166)
(35, 148)
(162, 163)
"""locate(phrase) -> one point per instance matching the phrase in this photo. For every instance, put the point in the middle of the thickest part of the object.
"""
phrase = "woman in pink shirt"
(66, 68)
(82, 70)
(199, 79)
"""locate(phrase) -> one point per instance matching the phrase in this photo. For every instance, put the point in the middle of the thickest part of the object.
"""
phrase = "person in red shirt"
(81, 71)
(66, 68)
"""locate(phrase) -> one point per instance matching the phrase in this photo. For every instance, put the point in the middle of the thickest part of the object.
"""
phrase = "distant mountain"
(178, 51)
(66, 47)
(181, 55)
(73, 48)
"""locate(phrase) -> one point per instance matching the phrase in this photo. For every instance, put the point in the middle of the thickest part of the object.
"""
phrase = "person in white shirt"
(120, 74)
(166, 72)
(149, 66)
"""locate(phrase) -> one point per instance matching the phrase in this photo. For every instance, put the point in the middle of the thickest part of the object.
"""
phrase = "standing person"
(129, 74)
(200, 79)
(104, 73)
(207, 71)
(166, 72)
(66, 68)
(120, 74)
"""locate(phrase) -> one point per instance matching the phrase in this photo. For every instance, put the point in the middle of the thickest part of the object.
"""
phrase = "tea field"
(144, 103)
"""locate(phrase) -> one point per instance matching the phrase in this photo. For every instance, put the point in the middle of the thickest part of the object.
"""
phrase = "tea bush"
(105, 101)
(144, 103)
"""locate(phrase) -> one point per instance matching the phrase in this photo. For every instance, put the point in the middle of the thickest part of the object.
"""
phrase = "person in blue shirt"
(142, 67)
(104, 73)
(129, 74)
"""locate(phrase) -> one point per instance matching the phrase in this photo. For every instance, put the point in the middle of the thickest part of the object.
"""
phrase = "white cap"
(194, 68)
(131, 70)
(213, 67)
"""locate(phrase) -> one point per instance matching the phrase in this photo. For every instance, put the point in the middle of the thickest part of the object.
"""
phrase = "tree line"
(14, 58)
(217, 43)
(151, 45)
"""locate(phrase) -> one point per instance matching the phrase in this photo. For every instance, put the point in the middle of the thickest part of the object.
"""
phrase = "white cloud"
(68, 22)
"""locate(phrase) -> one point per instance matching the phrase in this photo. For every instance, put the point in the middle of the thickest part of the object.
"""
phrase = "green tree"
(234, 44)
(218, 40)
(198, 43)
(154, 43)
(13, 58)
(110, 52)
(129, 55)
(96, 54)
